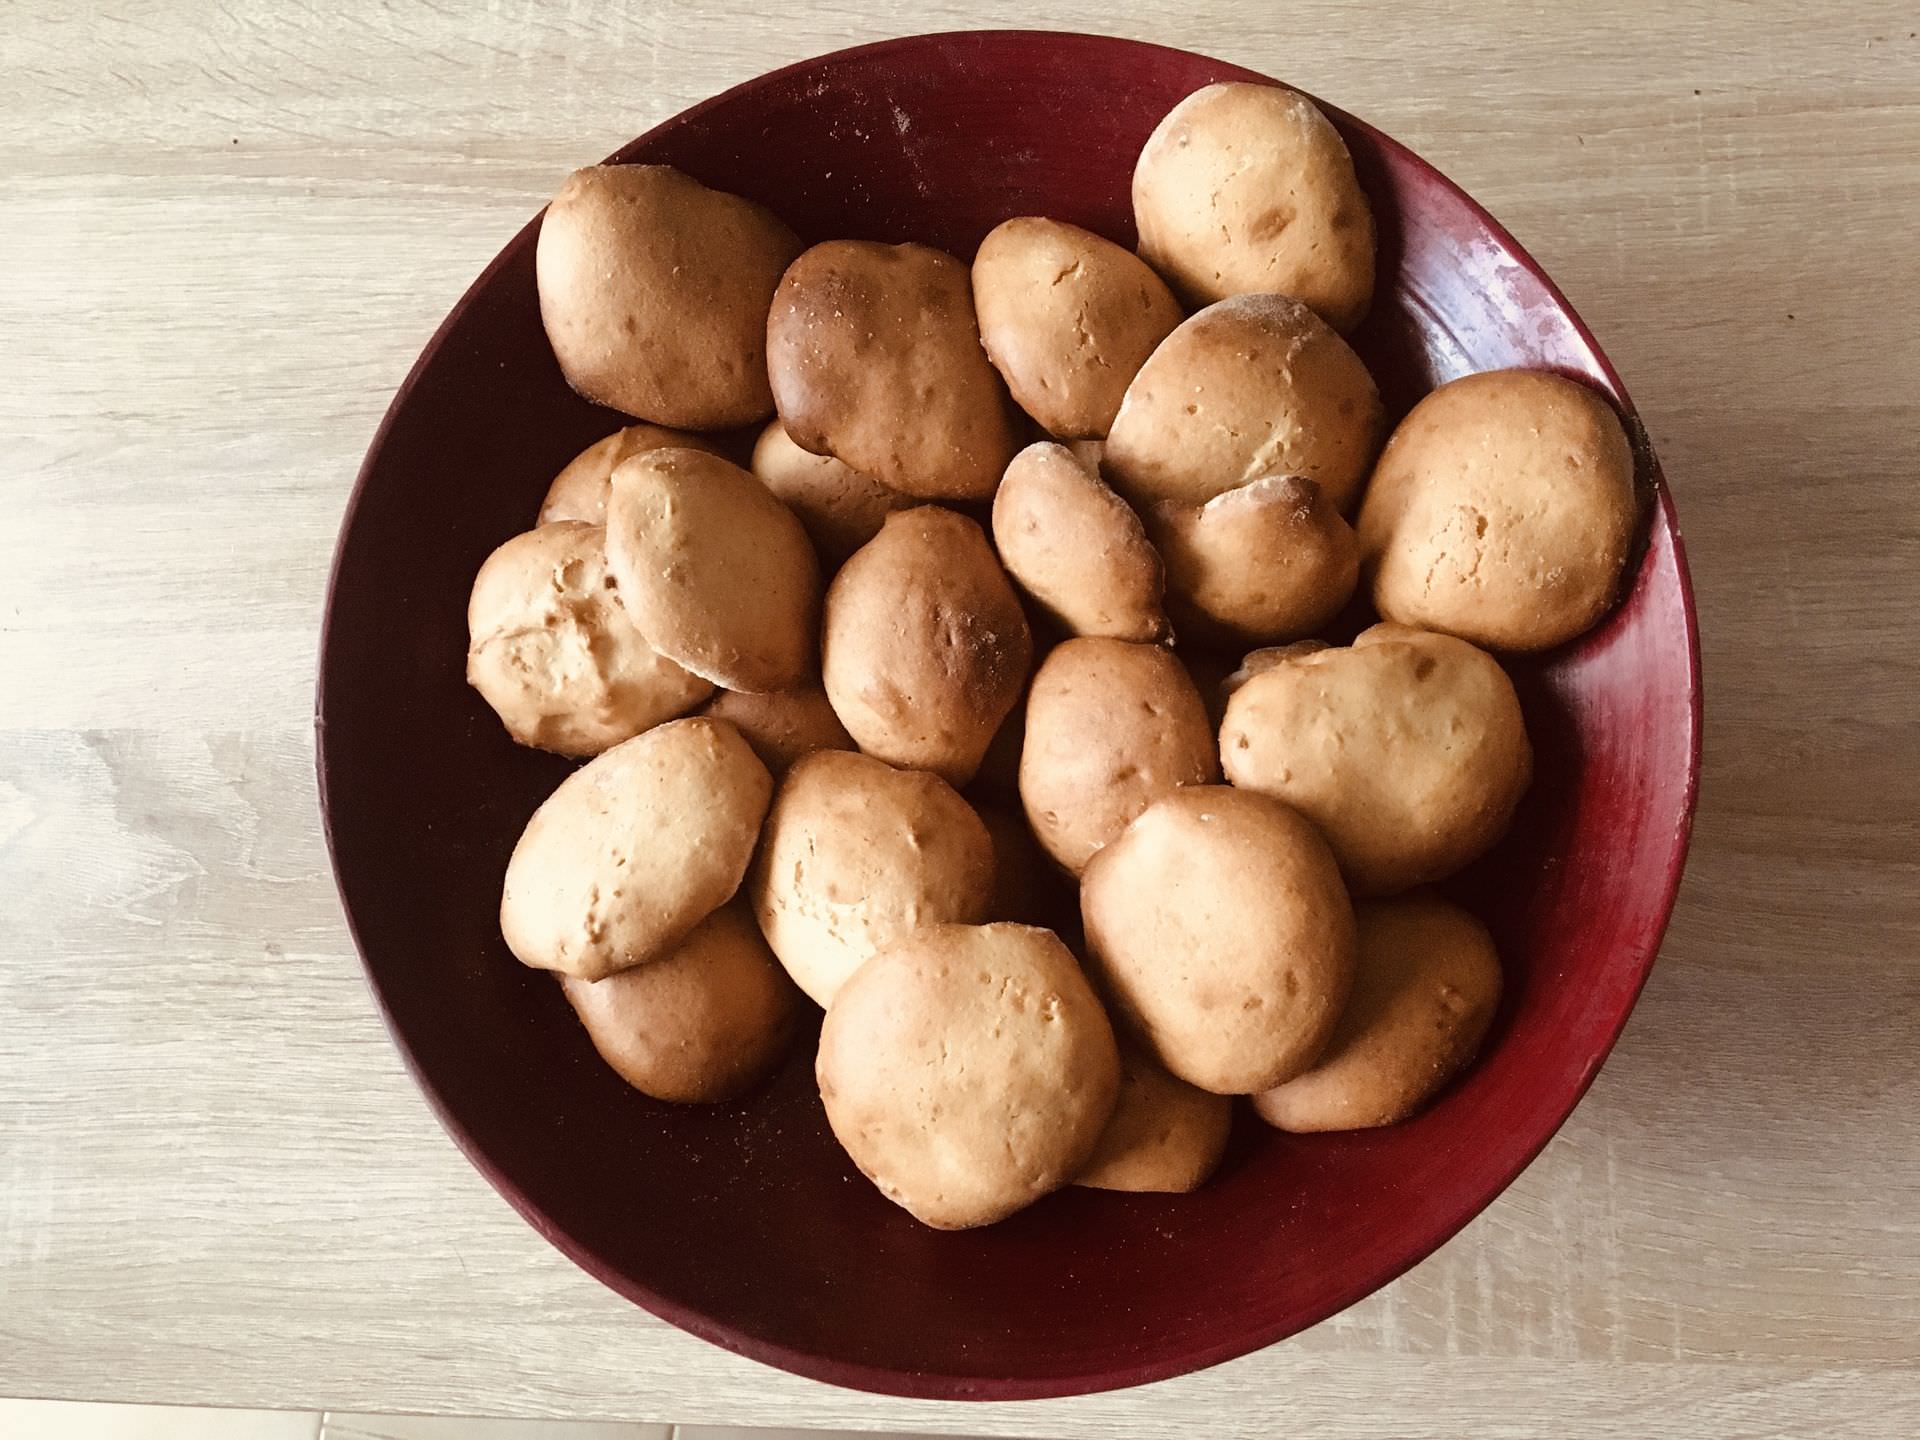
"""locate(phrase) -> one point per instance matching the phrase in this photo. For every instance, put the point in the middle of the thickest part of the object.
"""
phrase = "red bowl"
(744, 1223)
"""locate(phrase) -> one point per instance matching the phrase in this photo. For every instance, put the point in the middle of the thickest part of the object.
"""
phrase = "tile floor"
(59, 1420)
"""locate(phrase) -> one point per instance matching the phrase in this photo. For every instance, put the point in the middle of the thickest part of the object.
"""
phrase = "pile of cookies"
(982, 698)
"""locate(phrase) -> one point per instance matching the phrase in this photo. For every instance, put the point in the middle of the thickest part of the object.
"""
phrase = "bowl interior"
(745, 1223)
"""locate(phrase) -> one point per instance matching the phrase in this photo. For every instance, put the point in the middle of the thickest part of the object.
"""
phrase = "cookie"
(1067, 319)
(654, 294)
(925, 649)
(1407, 749)
(1218, 928)
(579, 491)
(1424, 992)
(1111, 727)
(717, 574)
(1165, 1135)
(634, 849)
(1250, 387)
(1502, 511)
(552, 650)
(707, 1021)
(857, 853)
(875, 359)
(1267, 563)
(1078, 548)
(840, 508)
(1249, 188)
(968, 1071)
(782, 725)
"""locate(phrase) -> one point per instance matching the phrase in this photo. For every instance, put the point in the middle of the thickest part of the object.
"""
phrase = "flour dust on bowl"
(744, 1222)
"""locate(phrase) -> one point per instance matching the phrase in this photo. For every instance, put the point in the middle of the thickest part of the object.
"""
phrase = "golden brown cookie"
(1250, 387)
(1078, 548)
(716, 572)
(1165, 1135)
(654, 292)
(634, 849)
(968, 1070)
(841, 508)
(1249, 188)
(579, 491)
(705, 1022)
(1067, 318)
(1111, 727)
(551, 649)
(782, 725)
(1219, 929)
(1269, 562)
(1407, 749)
(857, 853)
(875, 360)
(1424, 992)
(925, 649)
(1502, 511)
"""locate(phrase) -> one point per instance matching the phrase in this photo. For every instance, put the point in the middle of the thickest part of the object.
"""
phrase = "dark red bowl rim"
(918, 1384)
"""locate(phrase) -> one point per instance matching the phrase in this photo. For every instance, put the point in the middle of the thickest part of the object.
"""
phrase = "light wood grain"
(228, 230)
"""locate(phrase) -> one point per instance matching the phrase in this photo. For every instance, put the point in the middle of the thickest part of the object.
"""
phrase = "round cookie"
(706, 1021)
(968, 1070)
(1220, 931)
(654, 293)
(634, 849)
(1424, 993)
(1165, 1135)
(1111, 727)
(1077, 547)
(1407, 749)
(716, 573)
(1067, 318)
(1271, 561)
(1249, 188)
(875, 359)
(579, 491)
(924, 648)
(1502, 511)
(551, 649)
(1250, 387)
(841, 508)
(782, 725)
(856, 854)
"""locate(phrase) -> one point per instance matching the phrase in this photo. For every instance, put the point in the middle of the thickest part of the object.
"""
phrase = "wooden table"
(228, 228)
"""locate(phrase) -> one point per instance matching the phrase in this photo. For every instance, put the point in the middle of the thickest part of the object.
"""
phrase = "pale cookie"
(1269, 562)
(1407, 749)
(857, 853)
(841, 508)
(634, 849)
(654, 293)
(782, 725)
(1502, 511)
(968, 1071)
(551, 649)
(1220, 931)
(705, 1022)
(579, 491)
(1245, 188)
(1111, 727)
(716, 572)
(1424, 993)
(1077, 547)
(1067, 318)
(1165, 1135)
(1250, 387)
(925, 649)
